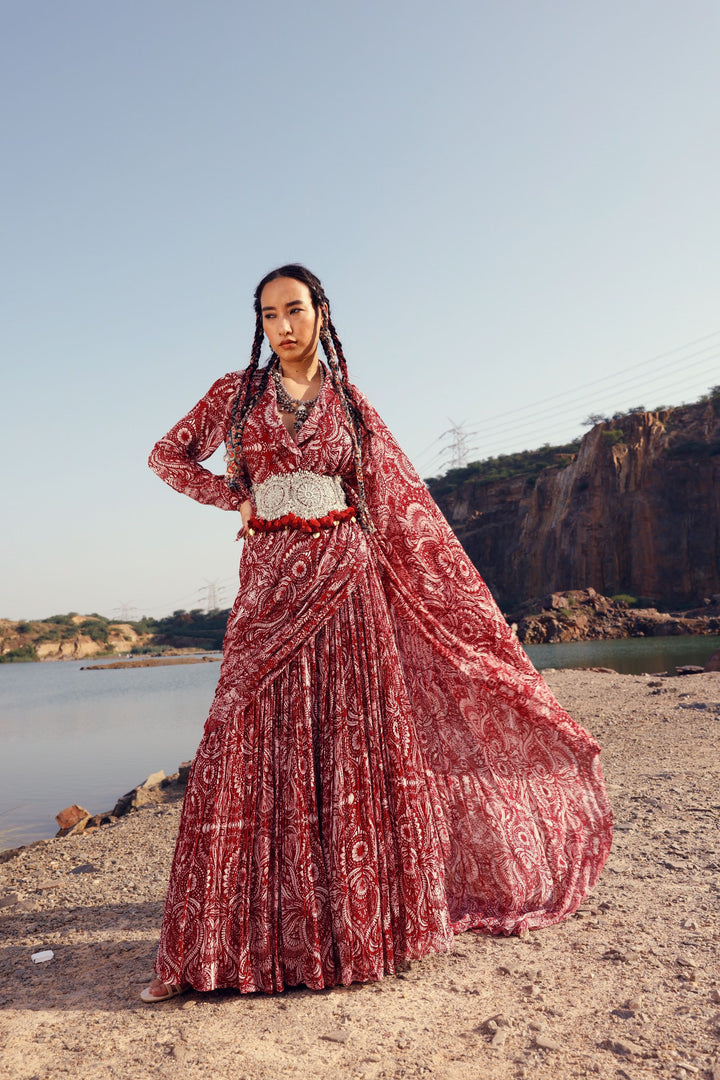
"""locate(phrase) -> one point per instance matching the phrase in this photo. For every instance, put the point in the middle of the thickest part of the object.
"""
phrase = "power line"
(588, 395)
(622, 371)
(706, 364)
(541, 417)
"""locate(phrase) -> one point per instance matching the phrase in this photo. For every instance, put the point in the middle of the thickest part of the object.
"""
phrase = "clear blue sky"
(507, 202)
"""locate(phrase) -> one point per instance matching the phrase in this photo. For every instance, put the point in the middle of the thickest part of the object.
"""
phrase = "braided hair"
(252, 389)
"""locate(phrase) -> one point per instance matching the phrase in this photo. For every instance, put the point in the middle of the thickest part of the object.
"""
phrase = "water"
(629, 656)
(71, 736)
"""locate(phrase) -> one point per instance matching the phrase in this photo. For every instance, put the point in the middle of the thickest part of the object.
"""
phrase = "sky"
(512, 206)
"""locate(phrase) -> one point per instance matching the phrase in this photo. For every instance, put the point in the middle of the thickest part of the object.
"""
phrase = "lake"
(71, 736)
(87, 737)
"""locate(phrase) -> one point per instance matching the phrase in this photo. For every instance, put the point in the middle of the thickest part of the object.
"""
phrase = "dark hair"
(332, 347)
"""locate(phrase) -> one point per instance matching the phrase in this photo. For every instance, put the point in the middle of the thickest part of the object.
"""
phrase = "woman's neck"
(304, 372)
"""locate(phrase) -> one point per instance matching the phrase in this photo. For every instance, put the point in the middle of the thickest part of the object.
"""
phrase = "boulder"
(152, 791)
(153, 780)
(713, 663)
(689, 669)
(70, 816)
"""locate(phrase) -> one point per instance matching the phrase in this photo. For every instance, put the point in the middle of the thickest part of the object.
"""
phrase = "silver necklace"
(300, 409)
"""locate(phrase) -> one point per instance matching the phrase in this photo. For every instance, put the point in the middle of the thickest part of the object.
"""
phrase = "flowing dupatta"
(520, 801)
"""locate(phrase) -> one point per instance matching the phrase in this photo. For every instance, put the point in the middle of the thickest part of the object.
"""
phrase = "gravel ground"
(628, 987)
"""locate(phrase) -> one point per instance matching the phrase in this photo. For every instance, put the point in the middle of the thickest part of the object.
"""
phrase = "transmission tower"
(456, 454)
(213, 595)
(125, 612)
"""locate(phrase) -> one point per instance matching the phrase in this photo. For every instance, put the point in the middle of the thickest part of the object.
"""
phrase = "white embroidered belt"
(302, 493)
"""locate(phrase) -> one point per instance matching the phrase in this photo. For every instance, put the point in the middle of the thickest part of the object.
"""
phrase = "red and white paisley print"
(382, 766)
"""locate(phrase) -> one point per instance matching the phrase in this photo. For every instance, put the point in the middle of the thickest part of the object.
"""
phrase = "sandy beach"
(628, 987)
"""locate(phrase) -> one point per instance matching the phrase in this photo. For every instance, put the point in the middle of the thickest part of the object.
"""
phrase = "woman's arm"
(176, 457)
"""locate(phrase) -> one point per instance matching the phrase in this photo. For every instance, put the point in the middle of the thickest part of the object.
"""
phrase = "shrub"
(23, 654)
(95, 630)
(625, 598)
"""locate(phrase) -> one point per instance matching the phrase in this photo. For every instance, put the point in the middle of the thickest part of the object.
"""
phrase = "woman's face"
(291, 323)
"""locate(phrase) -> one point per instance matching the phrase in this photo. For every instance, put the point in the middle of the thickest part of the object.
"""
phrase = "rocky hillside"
(584, 615)
(74, 637)
(67, 637)
(635, 510)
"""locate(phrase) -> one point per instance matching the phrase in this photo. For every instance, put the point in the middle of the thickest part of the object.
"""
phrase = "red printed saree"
(382, 766)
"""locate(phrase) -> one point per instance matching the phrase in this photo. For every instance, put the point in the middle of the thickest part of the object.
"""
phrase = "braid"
(330, 343)
(337, 344)
(244, 403)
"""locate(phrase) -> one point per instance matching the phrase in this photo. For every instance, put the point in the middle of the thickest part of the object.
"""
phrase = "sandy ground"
(628, 987)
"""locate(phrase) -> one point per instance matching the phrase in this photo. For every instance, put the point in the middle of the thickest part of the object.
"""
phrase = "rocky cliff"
(636, 511)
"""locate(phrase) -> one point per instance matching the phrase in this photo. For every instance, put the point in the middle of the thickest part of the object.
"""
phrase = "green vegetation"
(182, 630)
(22, 655)
(527, 464)
(625, 598)
(530, 463)
(194, 629)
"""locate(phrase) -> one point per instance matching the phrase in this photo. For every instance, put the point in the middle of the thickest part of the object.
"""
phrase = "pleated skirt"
(330, 833)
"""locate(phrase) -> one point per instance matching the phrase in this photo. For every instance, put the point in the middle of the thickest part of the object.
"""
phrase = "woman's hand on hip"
(246, 512)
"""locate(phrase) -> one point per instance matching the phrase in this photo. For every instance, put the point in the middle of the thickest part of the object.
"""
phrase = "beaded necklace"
(300, 409)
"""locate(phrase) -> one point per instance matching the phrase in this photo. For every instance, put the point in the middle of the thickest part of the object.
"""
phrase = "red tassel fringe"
(306, 525)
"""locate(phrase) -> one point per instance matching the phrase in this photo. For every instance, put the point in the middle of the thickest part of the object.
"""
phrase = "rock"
(26, 905)
(76, 829)
(713, 663)
(85, 868)
(100, 819)
(689, 669)
(495, 1023)
(70, 816)
(715, 995)
(614, 954)
(9, 900)
(183, 771)
(546, 1042)
(336, 1036)
(10, 853)
(622, 1046)
(133, 800)
(624, 1014)
(499, 1037)
(633, 1003)
(154, 780)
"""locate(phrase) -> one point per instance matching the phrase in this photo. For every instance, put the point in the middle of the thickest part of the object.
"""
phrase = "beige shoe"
(171, 990)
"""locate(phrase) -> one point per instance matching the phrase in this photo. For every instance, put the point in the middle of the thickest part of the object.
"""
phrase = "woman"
(382, 766)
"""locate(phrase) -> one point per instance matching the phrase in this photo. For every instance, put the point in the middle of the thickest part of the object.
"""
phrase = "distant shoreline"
(154, 661)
